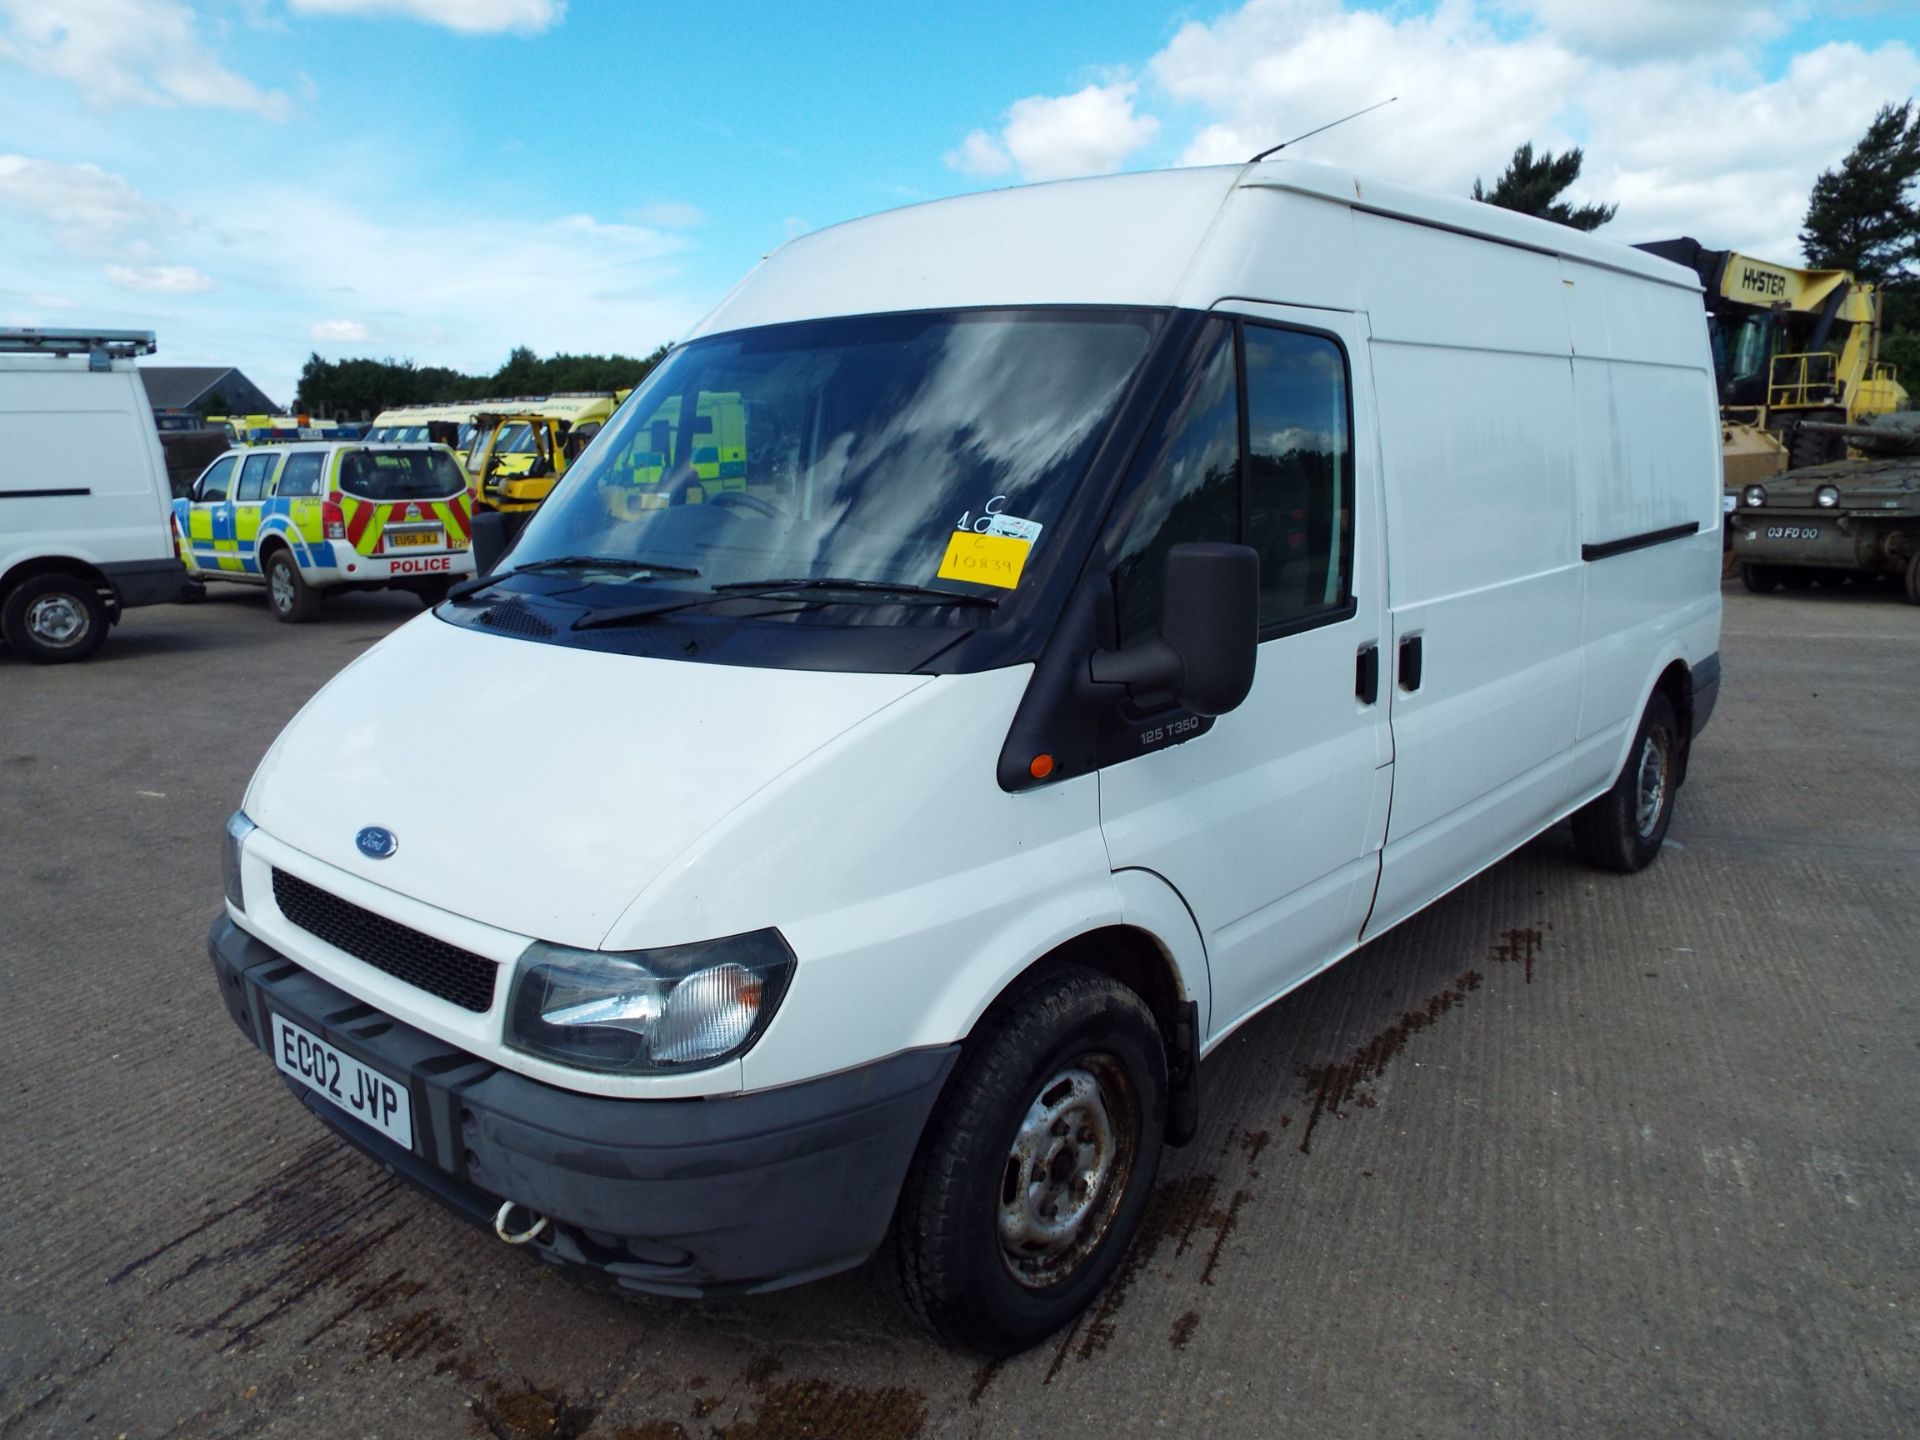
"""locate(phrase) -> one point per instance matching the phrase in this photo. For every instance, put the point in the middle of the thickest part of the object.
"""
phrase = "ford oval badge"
(376, 842)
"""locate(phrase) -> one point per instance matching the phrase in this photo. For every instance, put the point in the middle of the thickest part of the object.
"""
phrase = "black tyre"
(1760, 579)
(1036, 1165)
(1624, 829)
(1799, 577)
(1807, 447)
(289, 596)
(1913, 578)
(54, 619)
(432, 592)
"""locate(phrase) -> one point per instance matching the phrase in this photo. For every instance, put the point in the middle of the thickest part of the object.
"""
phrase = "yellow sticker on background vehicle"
(985, 559)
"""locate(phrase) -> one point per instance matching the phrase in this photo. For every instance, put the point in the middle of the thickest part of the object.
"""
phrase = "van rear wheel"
(1913, 578)
(54, 619)
(289, 597)
(1036, 1166)
(1624, 829)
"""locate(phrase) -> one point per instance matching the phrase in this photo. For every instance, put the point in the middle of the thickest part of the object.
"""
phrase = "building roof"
(179, 387)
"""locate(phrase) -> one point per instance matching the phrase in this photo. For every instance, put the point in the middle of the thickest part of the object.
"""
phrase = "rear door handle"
(1366, 674)
(1412, 660)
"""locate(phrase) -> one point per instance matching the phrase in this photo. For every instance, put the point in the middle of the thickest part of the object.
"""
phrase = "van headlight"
(238, 828)
(643, 1012)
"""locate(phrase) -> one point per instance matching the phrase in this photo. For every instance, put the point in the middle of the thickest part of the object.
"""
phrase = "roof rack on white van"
(102, 347)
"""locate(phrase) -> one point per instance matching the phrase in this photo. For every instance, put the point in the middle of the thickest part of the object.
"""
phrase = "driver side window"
(213, 484)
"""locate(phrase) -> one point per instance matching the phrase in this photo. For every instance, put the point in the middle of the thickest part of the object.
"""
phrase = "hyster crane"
(1789, 346)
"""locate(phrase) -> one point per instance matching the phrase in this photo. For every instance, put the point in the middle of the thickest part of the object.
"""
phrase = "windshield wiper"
(929, 593)
(603, 562)
(568, 562)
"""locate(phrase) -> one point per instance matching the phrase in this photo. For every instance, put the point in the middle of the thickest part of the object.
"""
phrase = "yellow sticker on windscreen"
(985, 559)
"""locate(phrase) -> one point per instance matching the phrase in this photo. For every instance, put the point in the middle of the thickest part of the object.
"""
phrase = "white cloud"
(470, 17)
(90, 211)
(1090, 132)
(1643, 29)
(1698, 141)
(979, 154)
(338, 331)
(1278, 68)
(128, 52)
(164, 279)
(670, 215)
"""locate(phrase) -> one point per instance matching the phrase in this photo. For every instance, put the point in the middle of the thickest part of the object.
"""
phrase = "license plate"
(417, 537)
(1793, 532)
(362, 1092)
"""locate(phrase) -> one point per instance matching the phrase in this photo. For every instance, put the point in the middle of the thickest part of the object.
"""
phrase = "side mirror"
(1204, 655)
(489, 532)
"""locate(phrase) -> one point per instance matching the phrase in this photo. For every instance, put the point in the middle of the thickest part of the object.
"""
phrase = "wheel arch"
(35, 566)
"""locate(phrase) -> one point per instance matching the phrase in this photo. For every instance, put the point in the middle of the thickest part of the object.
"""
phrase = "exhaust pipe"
(503, 1223)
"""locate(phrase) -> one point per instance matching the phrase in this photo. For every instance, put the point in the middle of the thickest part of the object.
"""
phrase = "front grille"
(457, 976)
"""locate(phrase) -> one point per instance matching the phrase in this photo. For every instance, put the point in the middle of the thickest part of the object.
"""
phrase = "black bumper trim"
(146, 582)
(1706, 691)
(724, 1195)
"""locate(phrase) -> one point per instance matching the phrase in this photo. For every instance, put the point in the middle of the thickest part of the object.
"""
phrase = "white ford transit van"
(83, 491)
(1138, 593)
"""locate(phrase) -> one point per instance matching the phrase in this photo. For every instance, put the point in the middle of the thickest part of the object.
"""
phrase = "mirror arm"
(1150, 670)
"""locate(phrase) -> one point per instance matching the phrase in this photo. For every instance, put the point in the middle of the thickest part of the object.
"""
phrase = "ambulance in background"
(409, 424)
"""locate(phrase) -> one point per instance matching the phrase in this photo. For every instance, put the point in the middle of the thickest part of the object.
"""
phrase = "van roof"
(1135, 239)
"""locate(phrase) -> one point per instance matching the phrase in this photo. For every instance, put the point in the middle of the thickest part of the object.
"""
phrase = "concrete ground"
(1568, 1154)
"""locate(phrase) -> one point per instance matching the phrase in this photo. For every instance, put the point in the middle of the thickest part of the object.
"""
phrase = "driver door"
(1269, 820)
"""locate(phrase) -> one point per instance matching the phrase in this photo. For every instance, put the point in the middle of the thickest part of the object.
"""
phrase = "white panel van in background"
(84, 499)
(1135, 594)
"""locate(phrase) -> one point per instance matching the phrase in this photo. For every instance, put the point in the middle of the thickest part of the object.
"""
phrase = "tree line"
(1863, 216)
(359, 389)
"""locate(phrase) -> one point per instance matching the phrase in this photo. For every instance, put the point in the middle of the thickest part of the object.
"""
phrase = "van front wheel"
(51, 619)
(1624, 829)
(1036, 1166)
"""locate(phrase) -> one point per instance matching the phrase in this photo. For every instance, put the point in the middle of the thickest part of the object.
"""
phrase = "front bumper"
(723, 1195)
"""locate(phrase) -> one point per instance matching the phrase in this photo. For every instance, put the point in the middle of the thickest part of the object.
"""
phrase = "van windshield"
(400, 474)
(930, 449)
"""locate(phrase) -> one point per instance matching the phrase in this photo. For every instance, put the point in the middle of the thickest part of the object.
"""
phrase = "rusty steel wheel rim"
(1067, 1170)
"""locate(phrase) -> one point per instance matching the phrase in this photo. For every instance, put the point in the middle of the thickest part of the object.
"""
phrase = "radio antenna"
(1328, 126)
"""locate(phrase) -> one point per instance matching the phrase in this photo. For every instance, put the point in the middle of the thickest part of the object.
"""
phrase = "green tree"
(1862, 216)
(1532, 185)
(213, 403)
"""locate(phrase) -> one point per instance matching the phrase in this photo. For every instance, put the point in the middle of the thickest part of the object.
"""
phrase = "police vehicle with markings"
(1140, 593)
(304, 518)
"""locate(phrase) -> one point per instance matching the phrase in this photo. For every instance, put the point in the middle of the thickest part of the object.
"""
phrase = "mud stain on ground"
(530, 1413)
(649, 1430)
(1332, 1087)
(822, 1410)
(1183, 1329)
(1518, 947)
(982, 1378)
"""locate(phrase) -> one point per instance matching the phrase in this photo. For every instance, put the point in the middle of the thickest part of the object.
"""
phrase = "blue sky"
(257, 179)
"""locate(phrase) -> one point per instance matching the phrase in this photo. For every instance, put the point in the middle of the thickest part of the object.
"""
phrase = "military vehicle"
(1847, 519)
